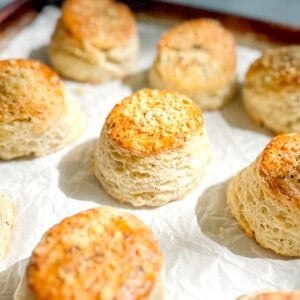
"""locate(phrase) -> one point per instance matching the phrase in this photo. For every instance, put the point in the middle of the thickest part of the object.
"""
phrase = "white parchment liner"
(206, 255)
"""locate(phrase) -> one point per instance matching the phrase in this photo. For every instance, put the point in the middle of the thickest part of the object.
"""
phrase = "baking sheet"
(206, 255)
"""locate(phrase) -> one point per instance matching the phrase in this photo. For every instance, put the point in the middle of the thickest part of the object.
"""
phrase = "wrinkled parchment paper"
(206, 255)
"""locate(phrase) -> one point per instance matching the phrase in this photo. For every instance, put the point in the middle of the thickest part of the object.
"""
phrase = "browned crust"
(211, 69)
(280, 166)
(105, 24)
(295, 295)
(203, 33)
(101, 253)
(276, 69)
(29, 91)
(152, 121)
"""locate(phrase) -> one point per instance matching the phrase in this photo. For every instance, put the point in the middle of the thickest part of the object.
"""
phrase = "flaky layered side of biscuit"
(265, 197)
(38, 115)
(197, 58)
(94, 41)
(101, 253)
(152, 149)
(271, 91)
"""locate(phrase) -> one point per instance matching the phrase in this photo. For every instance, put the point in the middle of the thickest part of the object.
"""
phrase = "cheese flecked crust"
(265, 197)
(30, 91)
(197, 58)
(38, 115)
(271, 91)
(151, 122)
(100, 253)
(152, 148)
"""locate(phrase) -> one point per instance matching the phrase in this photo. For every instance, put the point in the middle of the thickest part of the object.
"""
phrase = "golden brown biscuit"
(265, 197)
(197, 58)
(271, 92)
(37, 113)
(152, 149)
(7, 216)
(94, 41)
(275, 295)
(101, 253)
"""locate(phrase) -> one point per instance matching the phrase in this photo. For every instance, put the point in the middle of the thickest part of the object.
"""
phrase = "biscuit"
(38, 115)
(265, 197)
(272, 295)
(152, 149)
(271, 91)
(197, 58)
(94, 41)
(101, 253)
(7, 216)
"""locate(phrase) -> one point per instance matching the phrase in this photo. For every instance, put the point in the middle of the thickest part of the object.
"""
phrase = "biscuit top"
(276, 69)
(152, 121)
(199, 53)
(29, 92)
(280, 165)
(100, 253)
(105, 24)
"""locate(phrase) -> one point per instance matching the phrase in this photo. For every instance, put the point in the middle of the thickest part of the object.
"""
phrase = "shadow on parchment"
(137, 81)
(217, 223)
(77, 180)
(235, 114)
(10, 278)
(40, 54)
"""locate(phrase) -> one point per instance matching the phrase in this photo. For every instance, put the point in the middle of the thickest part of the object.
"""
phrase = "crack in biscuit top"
(101, 253)
(280, 165)
(152, 121)
(276, 69)
(105, 24)
(30, 92)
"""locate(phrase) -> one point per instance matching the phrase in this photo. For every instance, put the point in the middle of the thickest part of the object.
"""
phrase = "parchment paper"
(206, 255)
